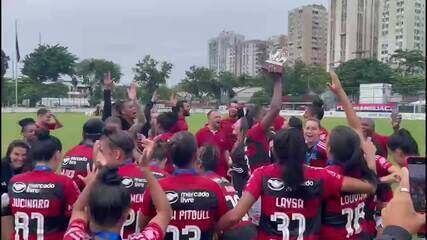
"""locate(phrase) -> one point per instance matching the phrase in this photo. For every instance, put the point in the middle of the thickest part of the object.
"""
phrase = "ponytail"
(289, 151)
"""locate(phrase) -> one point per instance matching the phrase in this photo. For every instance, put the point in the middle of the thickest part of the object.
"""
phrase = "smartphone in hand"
(417, 181)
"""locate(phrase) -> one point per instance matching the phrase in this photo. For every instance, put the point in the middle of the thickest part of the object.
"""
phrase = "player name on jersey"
(190, 215)
(352, 198)
(30, 203)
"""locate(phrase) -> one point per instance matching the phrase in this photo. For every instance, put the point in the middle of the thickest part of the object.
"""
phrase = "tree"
(409, 85)
(48, 62)
(362, 71)
(149, 75)
(92, 72)
(164, 92)
(260, 98)
(4, 63)
(34, 91)
(201, 83)
(408, 62)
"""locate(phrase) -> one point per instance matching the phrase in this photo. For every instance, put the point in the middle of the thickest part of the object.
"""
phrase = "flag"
(18, 56)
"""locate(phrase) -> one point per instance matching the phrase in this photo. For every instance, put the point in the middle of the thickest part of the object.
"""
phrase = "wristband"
(404, 189)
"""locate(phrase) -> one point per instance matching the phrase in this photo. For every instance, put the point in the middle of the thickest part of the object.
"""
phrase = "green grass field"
(70, 134)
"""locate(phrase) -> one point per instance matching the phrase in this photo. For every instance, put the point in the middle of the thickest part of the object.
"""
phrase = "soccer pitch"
(71, 133)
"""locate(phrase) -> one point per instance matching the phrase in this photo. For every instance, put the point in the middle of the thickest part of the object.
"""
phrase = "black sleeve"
(147, 114)
(395, 233)
(107, 105)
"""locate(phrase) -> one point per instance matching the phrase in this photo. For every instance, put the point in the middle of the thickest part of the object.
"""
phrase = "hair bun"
(24, 122)
(110, 176)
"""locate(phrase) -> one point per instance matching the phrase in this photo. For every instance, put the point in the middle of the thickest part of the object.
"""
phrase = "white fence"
(335, 114)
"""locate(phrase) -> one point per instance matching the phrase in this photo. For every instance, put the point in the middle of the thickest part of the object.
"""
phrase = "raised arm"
(147, 113)
(161, 203)
(352, 119)
(158, 196)
(133, 96)
(83, 200)
(108, 85)
(276, 100)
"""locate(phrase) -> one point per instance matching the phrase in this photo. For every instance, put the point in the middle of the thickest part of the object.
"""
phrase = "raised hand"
(146, 154)
(335, 85)
(132, 91)
(369, 149)
(91, 174)
(108, 82)
(400, 210)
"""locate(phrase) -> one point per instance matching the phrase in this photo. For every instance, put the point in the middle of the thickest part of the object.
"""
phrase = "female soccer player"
(343, 215)
(28, 130)
(15, 162)
(316, 155)
(197, 202)
(78, 159)
(257, 141)
(316, 110)
(240, 166)
(208, 162)
(41, 200)
(402, 145)
(107, 214)
(291, 192)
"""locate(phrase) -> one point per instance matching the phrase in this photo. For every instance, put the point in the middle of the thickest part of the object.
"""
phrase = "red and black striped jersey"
(197, 204)
(135, 182)
(76, 162)
(258, 147)
(343, 216)
(41, 203)
(231, 198)
(288, 213)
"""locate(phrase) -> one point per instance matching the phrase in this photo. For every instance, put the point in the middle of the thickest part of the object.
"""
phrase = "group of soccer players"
(139, 174)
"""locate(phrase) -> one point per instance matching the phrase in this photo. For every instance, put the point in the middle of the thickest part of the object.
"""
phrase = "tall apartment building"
(307, 33)
(353, 30)
(277, 42)
(254, 54)
(402, 26)
(225, 52)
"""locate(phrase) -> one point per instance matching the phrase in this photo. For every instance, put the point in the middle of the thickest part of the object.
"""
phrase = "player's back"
(134, 181)
(245, 229)
(197, 203)
(76, 162)
(287, 213)
(343, 215)
(41, 202)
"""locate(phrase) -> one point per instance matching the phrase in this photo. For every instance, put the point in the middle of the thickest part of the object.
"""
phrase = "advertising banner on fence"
(371, 107)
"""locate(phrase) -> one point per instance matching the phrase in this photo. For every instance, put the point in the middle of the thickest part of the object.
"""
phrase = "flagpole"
(16, 66)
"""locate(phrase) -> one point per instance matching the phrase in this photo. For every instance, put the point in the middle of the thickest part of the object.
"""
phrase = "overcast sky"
(125, 30)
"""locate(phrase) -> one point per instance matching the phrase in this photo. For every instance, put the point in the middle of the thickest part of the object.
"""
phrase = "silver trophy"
(278, 58)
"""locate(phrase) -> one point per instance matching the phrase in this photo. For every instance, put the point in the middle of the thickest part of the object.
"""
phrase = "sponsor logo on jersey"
(275, 184)
(19, 187)
(65, 161)
(172, 196)
(127, 182)
(72, 160)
